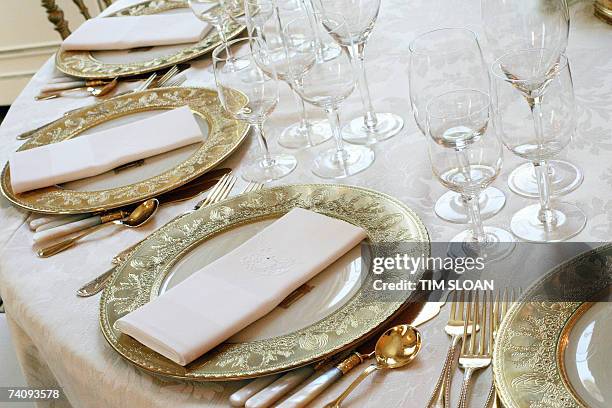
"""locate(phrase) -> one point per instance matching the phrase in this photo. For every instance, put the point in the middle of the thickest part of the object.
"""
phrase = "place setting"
(278, 272)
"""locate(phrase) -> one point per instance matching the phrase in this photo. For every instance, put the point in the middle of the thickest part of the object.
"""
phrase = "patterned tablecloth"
(56, 334)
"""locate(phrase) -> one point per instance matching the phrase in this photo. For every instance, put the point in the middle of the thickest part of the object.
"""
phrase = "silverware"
(219, 192)
(440, 397)
(501, 306)
(305, 395)
(396, 348)
(476, 353)
(164, 78)
(178, 80)
(142, 87)
(138, 217)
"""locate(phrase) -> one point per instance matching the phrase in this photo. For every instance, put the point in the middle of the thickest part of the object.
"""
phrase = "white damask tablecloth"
(56, 334)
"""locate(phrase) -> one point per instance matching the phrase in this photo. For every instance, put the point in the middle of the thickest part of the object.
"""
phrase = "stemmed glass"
(350, 23)
(248, 93)
(212, 12)
(466, 157)
(326, 84)
(537, 131)
(265, 20)
(444, 60)
(531, 24)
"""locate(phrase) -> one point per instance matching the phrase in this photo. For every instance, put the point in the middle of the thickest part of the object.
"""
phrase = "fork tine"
(249, 187)
(453, 311)
(484, 330)
(146, 84)
(169, 74)
(492, 323)
(215, 191)
(475, 322)
(461, 302)
(258, 186)
(225, 192)
(466, 322)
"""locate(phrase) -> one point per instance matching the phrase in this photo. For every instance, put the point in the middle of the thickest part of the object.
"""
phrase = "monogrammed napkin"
(242, 286)
(120, 33)
(96, 153)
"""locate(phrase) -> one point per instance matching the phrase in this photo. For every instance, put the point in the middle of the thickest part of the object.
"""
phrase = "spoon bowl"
(141, 214)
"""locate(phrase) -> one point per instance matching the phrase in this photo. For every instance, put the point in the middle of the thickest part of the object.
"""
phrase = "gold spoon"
(97, 92)
(396, 348)
(139, 216)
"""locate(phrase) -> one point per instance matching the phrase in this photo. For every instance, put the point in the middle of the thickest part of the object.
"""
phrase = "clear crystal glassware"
(326, 84)
(538, 131)
(350, 23)
(212, 12)
(265, 21)
(250, 94)
(444, 60)
(529, 24)
(466, 157)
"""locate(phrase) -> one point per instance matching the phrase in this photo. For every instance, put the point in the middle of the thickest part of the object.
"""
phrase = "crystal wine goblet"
(538, 131)
(527, 24)
(350, 23)
(266, 19)
(444, 60)
(326, 84)
(248, 93)
(466, 157)
(212, 12)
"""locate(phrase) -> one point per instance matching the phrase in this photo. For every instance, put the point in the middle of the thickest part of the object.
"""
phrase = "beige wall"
(27, 40)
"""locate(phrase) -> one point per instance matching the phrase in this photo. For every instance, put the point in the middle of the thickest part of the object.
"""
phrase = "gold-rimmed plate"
(341, 307)
(553, 349)
(156, 175)
(120, 63)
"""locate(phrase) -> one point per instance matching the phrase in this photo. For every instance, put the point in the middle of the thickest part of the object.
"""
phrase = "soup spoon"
(396, 348)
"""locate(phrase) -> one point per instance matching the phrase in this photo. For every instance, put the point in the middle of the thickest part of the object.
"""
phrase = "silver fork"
(252, 186)
(476, 353)
(440, 397)
(166, 77)
(176, 81)
(219, 192)
(142, 87)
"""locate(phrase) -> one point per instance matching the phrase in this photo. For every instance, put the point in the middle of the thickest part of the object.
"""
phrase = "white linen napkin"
(96, 153)
(120, 33)
(242, 286)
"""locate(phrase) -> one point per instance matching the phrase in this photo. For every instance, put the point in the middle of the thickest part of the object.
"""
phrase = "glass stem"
(357, 52)
(546, 214)
(472, 205)
(313, 19)
(334, 121)
(266, 159)
(304, 125)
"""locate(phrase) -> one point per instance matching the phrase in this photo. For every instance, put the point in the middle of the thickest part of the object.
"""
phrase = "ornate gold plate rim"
(224, 137)
(385, 220)
(82, 64)
(534, 375)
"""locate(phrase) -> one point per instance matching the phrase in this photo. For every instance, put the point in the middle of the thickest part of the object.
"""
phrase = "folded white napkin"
(96, 153)
(120, 33)
(242, 286)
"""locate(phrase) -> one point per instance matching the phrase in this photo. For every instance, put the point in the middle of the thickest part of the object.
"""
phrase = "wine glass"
(537, 131)
(212, 12)
(350, 23)
(517, 25)
(466, 157)
(266, 19)
(444, 60)
(326, 84)
(249, 94)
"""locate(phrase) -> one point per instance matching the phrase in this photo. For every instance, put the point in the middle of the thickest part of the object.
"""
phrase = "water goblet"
(444, 60)
(249, 94)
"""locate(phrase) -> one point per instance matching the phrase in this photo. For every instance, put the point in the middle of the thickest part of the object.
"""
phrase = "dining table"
(56, 334)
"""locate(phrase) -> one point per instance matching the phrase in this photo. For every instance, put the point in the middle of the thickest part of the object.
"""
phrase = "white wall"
(27, 40)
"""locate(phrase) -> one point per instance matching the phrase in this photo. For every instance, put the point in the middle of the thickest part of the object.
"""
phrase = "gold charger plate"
(86, 64)
(530, 357)
(224, 135)
(146, 272)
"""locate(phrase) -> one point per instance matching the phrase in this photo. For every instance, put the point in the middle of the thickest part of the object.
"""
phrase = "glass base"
(565, 178)
(356, 132)
(500, 243)
(450, 207)
(570, 220)
(262, 171)
(331, 164)
(294, 137)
